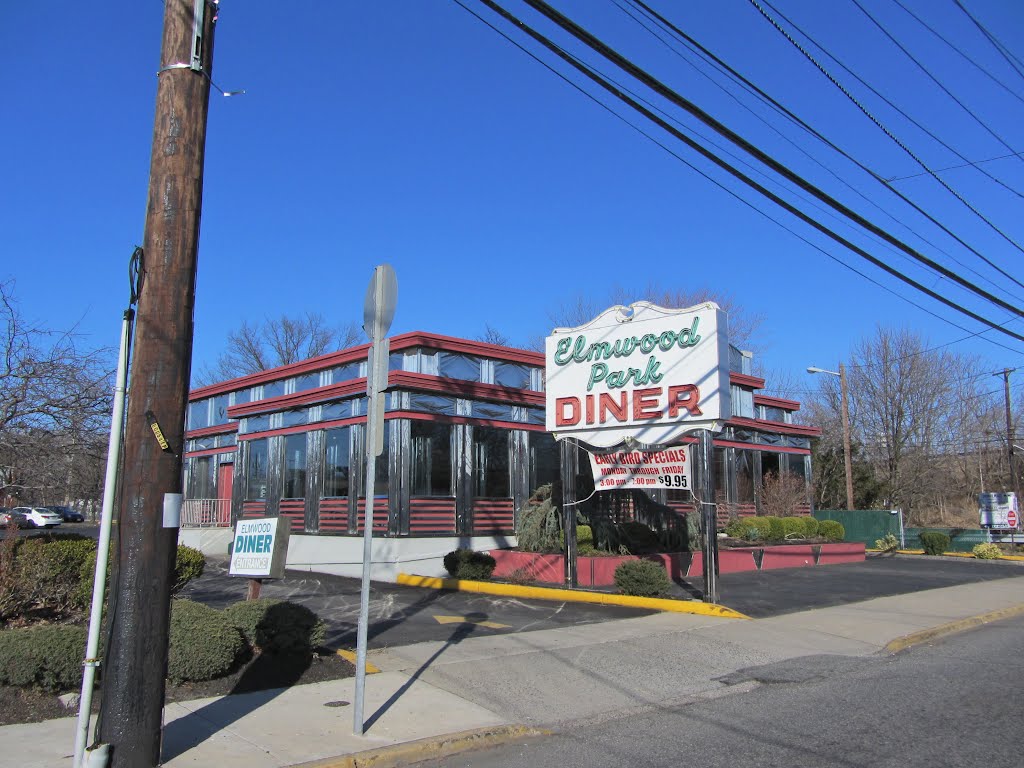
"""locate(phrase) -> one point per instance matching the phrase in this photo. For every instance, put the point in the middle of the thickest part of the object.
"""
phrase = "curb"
(572, 595)
(431, 748)
(351, 657)
(916, 638)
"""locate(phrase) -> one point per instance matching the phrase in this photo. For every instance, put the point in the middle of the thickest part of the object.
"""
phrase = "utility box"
(998, 511)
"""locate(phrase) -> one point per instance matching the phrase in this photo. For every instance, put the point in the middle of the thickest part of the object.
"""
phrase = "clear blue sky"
(411, 133)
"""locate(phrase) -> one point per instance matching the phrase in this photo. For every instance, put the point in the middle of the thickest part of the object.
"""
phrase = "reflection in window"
(742, 402)
(336, 461)
(295, 466)
(545, 459)
(512, 375)
(255, 424)
(241, 396)
(721, 471)
(307, 381)
(344, 373)
(495, 411)
(381, 474)
(256, 470)
(453, 366)
(199, 414)
(419, 401)
(201, 484)
(744, 476)
(220, 410)
(490, 463)
(294, 418)
(273, 389)
(769, 464)
(431, 459)
(333, 411)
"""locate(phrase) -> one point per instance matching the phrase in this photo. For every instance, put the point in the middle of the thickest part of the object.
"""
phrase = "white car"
(40, 517)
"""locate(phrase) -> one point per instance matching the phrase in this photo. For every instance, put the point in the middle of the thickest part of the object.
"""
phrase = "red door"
(225, 476)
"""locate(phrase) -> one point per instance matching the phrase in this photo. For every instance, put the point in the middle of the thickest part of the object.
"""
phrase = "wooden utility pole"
(1010, 437)
(135, 661)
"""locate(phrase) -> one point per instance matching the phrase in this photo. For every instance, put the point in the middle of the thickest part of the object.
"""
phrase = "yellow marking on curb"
(431, 748)
(465, 620)
(916, 638)
(351, 657)
(572, 596)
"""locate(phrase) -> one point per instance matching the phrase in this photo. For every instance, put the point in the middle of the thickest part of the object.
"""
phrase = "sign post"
(378, 312)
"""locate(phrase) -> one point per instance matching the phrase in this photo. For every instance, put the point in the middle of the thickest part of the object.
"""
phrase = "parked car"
(6, 515)
(68, 515)
(40, 517)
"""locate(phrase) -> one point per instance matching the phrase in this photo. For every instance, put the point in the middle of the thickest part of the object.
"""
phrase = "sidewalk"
(543, 679)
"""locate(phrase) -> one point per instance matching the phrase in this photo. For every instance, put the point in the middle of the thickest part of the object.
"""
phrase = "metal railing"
(206, 513)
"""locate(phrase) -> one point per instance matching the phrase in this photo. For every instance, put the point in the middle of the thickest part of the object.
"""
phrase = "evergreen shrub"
(204, 643)
(760, 524)
(776, 529)
(188, 566)
(642, 578)
(987, 551)
(832, 530)
(47, 658)
(277, 626)
(934, 542)
(810, 526)
(793, 528)
(469, 565)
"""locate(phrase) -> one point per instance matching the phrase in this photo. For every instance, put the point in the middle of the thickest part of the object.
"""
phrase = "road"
(954, 702)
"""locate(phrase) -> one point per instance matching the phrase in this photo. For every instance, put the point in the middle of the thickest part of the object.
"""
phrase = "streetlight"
(847, 460)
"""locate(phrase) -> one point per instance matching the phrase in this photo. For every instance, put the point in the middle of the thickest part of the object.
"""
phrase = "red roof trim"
(777, 402)
(777, 427)
(744, 380)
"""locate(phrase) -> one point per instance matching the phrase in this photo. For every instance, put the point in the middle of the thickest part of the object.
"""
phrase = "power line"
(1012, 60)
(889, 133)
(973, 164)
(707, 154)
(767, 98)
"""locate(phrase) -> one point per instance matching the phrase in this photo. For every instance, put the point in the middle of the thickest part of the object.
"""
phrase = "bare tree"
(492, 335)
(55, 401)
(277, 341)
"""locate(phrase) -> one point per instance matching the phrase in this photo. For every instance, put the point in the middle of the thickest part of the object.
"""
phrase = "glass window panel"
(535, 415)
(295, 418)
(512, 375)
(721, 471)
(256, 423)
(796, 464)
(224, 441)
(769, 464)
(337, 449)
(199, 414)
(382, 474)
(273, 389)
(337, 410)
(491, 463)
(545, 459)
(497, 411)
(744, 476)
(295, 466)
(800, 442)
(742, 402)
(201, 482)
(344, 373)
(202, 443)
(419, 401)
(240, 397)
(771, 438)
(256, 470)
(431, 459)
(773, 414)
(307, 381)
(453, 366)
(220, 410)
(743, 436)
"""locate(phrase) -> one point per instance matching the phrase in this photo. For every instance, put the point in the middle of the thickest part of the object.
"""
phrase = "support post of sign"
(570, 468)
(378, 312)
(708, 513)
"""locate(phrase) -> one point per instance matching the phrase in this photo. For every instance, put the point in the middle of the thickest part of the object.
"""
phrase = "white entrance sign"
(260, 548)
(643, 373)
(998, 510)
(669, 468)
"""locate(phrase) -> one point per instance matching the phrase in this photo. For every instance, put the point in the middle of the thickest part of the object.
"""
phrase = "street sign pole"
(708, 514)
(378, 312)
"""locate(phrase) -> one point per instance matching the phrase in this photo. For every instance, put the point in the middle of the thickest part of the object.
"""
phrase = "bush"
(776, 529)
(277, 626)
(889, 544)
(793, 528)
(188, 566)
(469, 565)
(987, 551)
(204, 643)
(48, 657)
(832, 530)
(47, 571)
(760, 524)
(934, 542)
(538, 528)
(810, 526)
(642, 578)
(737, 529)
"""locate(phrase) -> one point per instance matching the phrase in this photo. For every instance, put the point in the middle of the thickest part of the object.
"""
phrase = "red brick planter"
(600, 571)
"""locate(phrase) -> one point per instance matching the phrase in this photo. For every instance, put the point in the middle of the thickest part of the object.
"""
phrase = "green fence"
(863, 525)
(960, 539)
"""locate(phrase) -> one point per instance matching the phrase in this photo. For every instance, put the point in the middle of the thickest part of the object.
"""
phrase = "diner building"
(465, 446)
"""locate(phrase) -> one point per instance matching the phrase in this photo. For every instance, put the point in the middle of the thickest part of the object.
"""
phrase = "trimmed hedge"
(987, 551)
(832, 530)
(793, 528)
(934, 542)
(277, 626)
(188, 566)
(48, 658)
(469, 565)
(642, 578)
(810, 526)
(204, 643)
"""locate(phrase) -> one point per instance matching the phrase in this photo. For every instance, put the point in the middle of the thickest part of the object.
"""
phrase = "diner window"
(337, 449)
(220, 410)
(744, 476)
(307, 381)
(273, 389)
(256, 470)
(295, 466)
(199, 414)
(240, 396)
(382, 471)
(742, 402)
(769, 464)
(344, 373)
(431, 459)
(201, 484)
(491, 477)
(512, 375)
(419, 401)
(545, 459)
(452, 366)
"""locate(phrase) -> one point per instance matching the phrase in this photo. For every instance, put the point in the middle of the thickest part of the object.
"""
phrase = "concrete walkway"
(484, 688)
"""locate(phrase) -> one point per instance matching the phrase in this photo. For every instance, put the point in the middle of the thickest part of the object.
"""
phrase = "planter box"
(600, 571)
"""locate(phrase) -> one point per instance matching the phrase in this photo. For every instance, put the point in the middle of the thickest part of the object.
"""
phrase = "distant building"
(465, 446)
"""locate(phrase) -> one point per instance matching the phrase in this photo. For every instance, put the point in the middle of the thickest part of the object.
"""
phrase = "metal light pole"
(847, 456)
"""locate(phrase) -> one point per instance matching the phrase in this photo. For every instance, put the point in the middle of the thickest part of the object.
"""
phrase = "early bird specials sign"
(665, 469)
(643, 373)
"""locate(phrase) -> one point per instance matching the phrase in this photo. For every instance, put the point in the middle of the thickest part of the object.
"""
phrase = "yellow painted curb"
(351, 657)
(571, 595)
(432, 748)
(915, 638)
